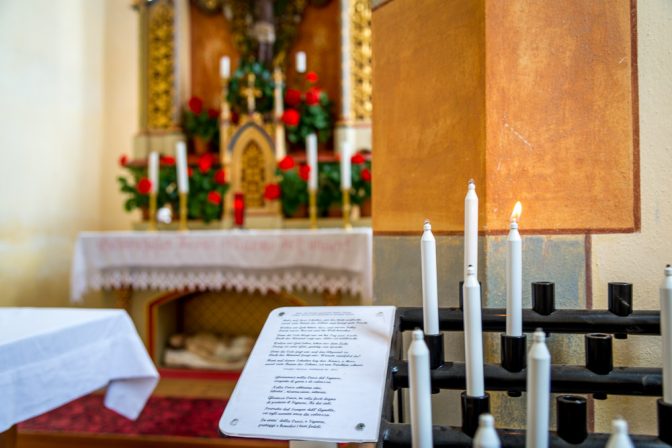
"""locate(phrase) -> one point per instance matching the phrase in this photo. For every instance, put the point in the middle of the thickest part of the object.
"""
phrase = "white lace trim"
(289, 280)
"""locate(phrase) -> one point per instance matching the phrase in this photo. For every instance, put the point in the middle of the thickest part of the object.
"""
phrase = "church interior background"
(353, 120)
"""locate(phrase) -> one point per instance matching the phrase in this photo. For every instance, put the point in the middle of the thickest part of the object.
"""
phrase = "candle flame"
(517, 211)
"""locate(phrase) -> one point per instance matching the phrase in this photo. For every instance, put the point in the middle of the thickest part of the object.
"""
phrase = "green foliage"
(263, 81)
(204, 125)
(294, 191)
(314, 119)
(361, 189)
(200, 186)
(329, 183)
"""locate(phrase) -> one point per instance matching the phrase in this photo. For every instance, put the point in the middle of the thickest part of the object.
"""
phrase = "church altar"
(84, 349)
(324, 260)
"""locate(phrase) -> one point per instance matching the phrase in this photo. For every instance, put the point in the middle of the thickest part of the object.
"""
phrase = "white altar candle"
(619, 435)
(346, 174)
(300, 62)
(430, 301)
(311, 156)
(473, 336)
(471, 228)
(182, 169)
(514, 276)
(538, 391)
(486, 435)
(153, 169)
(420, 391)
(666, 333)
(225, 67)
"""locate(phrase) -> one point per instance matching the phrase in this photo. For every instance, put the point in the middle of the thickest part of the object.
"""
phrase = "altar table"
(50, 356)
(324, 260)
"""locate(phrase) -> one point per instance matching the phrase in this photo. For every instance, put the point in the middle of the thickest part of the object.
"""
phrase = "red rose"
(292, 97)
(304, 172)
(205, 163)
(291, 117)
(366, 175)
(312, 77)
(214, 197)
(190, 171)
(272, 192)
(195, 104)
(313, 96)
(144, 186)
(213, 113)
(123, 160)
(220, 177)
(167, 160)
(357, 159)
(287, 163)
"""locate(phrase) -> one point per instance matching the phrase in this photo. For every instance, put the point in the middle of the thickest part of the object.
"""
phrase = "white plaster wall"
(640, 258)
(64, 119)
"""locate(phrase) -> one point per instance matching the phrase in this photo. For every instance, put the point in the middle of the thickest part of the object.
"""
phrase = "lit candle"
(182, 169)
(311, 150)
(420, 391)
(619, 435)
(666, 333)
(301, 62)
(538, 391)
(346, 175)
(430, 301)
(471, 229)
(225, 67)
(514, 276)
(486, 435)
(473, 336)
(153, 168)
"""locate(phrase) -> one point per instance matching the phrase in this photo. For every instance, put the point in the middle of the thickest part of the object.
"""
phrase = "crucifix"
(251, 93)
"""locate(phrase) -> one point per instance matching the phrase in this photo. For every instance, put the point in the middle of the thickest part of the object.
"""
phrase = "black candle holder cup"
(599, 353)
(543, 297)
(436, 353)
(572, 418)
(472, 408)
(513, 352)
(620, 301)
(664, 419)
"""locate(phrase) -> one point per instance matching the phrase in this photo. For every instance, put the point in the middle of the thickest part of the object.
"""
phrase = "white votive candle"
(182, 169)
(666, 333)
(473, 336)
(514, 277)
(301, 62)
(311, 156)
(153, 171)
(471, 228)
(486, 435)
(420, 391)
(225, 67)
(430, 301)
(346, 169)
(619, 435)
(538, 391)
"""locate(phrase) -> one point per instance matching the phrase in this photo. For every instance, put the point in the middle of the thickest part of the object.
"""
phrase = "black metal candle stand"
(598, 377)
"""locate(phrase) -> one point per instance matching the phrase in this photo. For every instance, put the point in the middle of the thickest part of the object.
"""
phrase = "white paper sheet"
(316, 373)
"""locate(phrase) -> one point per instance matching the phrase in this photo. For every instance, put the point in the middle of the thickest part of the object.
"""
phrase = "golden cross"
(251, 93)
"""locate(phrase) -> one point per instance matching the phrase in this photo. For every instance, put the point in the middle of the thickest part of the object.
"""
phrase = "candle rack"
(597, 377)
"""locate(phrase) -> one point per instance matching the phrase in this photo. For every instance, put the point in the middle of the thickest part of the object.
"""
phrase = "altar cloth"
(50, 356)
(321, 260)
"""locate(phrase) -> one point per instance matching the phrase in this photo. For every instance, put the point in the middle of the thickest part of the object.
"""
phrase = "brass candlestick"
(183, 211)
(346, 209)
(152, 212)
(312, 208)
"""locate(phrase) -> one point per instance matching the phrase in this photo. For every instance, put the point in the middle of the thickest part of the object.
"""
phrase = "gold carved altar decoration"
(360, 26)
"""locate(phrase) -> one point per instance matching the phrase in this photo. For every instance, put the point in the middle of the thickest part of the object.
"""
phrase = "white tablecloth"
(246, 260)
(50, 356)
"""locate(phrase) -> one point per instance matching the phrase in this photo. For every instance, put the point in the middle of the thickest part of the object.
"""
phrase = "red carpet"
(161, 416)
